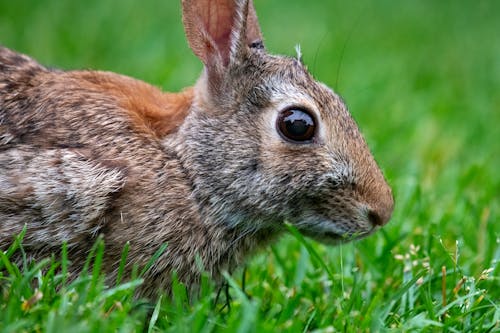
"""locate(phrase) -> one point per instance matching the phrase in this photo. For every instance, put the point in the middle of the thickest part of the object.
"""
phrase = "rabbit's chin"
(332, 236)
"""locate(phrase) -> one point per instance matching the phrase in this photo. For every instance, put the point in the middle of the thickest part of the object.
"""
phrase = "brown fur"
(205, 171)
(149, 108)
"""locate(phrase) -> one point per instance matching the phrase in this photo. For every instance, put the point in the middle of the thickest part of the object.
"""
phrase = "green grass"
(423, 81)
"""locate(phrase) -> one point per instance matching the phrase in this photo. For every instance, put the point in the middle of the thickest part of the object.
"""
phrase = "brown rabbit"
(213, 171)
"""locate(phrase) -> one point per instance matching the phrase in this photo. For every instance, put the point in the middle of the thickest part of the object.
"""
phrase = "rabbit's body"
(86, 153)
(81, 155)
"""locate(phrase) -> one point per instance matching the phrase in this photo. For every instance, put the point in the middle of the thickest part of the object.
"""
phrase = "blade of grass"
(310, 249)
(153, 259)
(123, 261)
(154, 316)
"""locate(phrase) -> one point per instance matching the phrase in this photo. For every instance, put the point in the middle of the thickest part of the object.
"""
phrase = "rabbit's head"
(266, 143)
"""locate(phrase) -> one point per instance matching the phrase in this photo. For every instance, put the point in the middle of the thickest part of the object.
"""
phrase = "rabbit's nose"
(378, 216)
(375, 218)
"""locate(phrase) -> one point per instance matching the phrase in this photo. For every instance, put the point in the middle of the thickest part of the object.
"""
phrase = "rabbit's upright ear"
(218, 31)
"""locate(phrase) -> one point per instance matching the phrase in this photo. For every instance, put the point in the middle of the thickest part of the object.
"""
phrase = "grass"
(423, 81)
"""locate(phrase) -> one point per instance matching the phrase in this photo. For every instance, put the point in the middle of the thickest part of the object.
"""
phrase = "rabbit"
(214, 171)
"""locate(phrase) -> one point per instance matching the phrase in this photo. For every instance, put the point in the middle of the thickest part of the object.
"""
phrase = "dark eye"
(296, 125)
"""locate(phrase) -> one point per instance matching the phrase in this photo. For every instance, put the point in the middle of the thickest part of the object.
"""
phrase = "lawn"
(421, 78)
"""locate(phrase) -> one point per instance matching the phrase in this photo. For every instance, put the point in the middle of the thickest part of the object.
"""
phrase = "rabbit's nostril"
(375, 218)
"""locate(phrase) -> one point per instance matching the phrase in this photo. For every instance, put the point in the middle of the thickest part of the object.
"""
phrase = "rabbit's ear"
(219, 30)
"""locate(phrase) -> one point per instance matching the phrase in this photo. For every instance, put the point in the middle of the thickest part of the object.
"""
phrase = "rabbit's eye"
(296, 125)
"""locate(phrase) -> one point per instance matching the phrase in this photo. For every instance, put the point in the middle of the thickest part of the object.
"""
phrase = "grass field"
(422, 79)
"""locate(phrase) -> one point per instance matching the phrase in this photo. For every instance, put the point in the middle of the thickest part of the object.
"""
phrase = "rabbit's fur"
(86, 153)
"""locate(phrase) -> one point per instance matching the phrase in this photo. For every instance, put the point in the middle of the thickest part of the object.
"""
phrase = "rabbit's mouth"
(332, 232)
(334, 238)
(344, 238)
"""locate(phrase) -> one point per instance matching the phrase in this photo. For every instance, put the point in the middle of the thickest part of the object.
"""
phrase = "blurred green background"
(422, 79)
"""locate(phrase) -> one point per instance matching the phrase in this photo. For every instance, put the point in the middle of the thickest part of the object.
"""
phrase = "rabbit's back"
(75, 147)
(34, 101)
